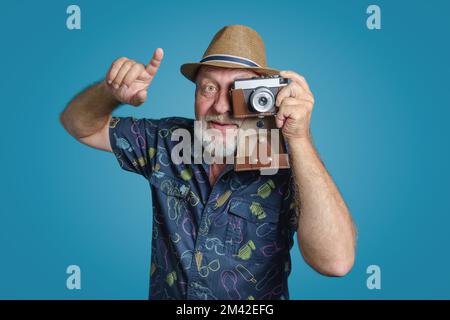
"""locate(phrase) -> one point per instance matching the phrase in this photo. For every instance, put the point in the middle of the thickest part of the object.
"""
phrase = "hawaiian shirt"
(227, 241)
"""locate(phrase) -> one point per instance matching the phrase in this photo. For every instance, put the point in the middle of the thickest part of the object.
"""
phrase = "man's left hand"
(295, 102)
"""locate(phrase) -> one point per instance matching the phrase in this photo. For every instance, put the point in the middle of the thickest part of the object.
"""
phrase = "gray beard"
(215, 148)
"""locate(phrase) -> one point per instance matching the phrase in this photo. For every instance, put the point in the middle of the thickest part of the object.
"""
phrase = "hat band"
(230, 58)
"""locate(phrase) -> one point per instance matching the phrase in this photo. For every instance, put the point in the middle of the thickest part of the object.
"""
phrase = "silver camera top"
(255, 82)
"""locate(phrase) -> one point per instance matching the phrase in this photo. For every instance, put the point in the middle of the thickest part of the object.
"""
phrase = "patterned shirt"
(226, 241)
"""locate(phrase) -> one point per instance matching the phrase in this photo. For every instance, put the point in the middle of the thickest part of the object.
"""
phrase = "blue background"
(380, 124)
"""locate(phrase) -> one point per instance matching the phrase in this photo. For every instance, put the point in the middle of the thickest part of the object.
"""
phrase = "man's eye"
(210, 89)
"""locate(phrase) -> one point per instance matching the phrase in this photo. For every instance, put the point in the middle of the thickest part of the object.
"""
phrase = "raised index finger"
(155, 62)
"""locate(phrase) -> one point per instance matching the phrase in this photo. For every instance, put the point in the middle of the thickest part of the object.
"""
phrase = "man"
(220, 233)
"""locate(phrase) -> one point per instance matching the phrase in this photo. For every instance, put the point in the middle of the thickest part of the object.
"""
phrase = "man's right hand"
(128, 80)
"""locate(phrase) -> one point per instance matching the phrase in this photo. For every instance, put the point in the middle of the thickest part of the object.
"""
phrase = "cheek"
(202, 106)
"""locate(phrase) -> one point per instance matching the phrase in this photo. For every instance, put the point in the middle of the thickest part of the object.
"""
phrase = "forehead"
(217, 73)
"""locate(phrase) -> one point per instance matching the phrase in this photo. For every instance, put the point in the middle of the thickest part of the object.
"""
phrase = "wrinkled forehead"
(223, 74)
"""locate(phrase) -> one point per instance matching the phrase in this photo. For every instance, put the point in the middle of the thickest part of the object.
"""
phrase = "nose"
(223, 102)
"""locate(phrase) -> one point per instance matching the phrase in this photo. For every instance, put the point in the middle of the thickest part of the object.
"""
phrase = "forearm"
(326, 232)
(88, 112)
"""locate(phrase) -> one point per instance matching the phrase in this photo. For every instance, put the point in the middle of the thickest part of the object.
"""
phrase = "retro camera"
(255, 97)
(260, 145)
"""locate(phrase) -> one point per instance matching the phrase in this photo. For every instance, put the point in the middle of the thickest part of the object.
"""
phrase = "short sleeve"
(133, 142)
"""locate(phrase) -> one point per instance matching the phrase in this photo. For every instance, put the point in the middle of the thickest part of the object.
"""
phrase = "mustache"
(223, 118)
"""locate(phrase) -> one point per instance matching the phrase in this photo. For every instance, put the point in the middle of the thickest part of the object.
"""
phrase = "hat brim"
(189, 70)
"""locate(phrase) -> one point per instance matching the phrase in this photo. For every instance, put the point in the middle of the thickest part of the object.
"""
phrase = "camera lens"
(262, 100)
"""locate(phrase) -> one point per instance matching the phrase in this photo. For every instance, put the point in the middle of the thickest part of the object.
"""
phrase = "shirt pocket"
(253, 231)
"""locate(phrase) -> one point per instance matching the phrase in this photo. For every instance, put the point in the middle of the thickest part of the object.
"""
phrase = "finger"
(132, 74)
(155, 62)
(114, 68)
(299, 102)
(117, 82)
(297, 78)
(289, 101)
(139, 98)
(285, 112)
(299, 105)
(280, 118)
(144, 76)
(291, 90)
(279, 123)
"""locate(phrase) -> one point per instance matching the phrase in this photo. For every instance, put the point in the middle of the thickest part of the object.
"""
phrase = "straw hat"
(233, 46)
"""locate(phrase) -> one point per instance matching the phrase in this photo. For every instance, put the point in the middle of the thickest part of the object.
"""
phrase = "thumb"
(153, 65)
(139, 98)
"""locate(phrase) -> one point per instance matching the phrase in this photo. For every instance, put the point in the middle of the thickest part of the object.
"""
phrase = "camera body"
(260, 145)
(255, 97)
